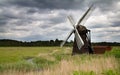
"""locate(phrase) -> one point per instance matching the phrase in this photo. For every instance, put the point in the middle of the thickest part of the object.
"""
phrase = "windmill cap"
(82, 29)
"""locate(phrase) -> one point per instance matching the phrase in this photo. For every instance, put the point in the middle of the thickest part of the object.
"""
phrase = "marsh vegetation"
(57, 61)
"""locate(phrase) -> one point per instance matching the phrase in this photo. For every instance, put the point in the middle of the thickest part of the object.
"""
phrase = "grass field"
(57, 61)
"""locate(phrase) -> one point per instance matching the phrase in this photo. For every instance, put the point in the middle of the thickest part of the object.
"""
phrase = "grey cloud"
(32, 10)
(4, 19)
(64, 4)
(62, 28)
(19, 29)
(6, 14)
(9, 15)
(2, 30)
(116, 24)
(36, 37)
(106, 34)
(96, 26)
(39, 10)
(53, 4)
(46, 26)
(22, 22)
(103, 5)
(3, 22)
(57, 20)
(53, 22)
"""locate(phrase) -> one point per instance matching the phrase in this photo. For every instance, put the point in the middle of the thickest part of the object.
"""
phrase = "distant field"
(14, 54)
(57, 61)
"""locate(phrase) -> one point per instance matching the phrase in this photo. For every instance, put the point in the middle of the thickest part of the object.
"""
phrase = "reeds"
(96, 65)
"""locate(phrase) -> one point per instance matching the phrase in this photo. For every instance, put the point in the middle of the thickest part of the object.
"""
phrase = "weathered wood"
(82, 30)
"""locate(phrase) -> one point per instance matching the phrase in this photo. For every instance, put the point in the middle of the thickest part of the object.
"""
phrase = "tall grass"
(59, 62)
(95, 66)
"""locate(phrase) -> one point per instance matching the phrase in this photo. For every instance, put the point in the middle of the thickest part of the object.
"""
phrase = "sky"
(32, 20)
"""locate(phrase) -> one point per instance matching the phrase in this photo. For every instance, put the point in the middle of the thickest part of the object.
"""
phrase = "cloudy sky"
(30, 20)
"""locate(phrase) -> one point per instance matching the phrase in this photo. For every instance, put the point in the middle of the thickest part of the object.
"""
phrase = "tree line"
(56, 42)
(8, 42)
(106, 44)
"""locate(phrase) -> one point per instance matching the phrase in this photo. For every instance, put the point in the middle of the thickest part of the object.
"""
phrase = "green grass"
(16, 54)
(106, 72)
(83, 73)
(16, 58)
(19, 59)
(115, 52)
(110, 72)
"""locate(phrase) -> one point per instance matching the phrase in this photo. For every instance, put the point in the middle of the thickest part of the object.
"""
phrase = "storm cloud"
(47, 19)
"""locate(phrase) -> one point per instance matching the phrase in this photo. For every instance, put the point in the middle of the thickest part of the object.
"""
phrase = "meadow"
(57, 61)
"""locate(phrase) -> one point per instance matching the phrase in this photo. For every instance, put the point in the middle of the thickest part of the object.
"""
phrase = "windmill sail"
(70, 18)
(66, 38)
(86, 15)
(79, 40)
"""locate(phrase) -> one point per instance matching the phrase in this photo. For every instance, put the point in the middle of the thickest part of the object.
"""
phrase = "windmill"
(82, 40)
